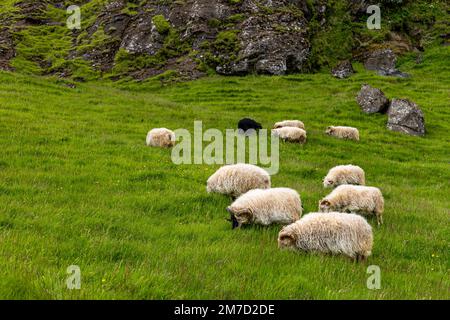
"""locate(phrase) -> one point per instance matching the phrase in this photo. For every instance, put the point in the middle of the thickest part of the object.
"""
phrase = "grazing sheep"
(358, 199)
(248, 124)
(290, 134)
(237, 179)
(289, 123)
(343, 132)
(348, 174)
(265, 207)
(335, 233)
(160, 137)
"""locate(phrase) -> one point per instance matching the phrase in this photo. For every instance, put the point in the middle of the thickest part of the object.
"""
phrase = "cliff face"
(186, 39)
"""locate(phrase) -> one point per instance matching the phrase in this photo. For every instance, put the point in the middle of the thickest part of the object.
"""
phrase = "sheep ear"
(325, 202)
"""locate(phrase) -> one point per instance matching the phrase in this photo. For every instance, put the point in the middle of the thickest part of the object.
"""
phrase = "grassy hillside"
(78, 187)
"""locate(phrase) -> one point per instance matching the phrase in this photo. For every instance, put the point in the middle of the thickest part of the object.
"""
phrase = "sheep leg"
(360, 258)
(379, 218)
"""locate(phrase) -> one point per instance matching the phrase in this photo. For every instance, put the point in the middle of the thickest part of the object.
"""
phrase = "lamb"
(348, 174)
(289, 123)
(332, 233)
(265, 207)
(290, 134)
(358, 199)
(343, 132)
(335, 233)
(160, 137)
(237, 179)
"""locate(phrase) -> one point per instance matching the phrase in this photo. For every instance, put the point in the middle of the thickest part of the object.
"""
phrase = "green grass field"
(79, 187)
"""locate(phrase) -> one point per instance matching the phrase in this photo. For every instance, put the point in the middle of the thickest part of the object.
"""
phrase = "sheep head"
(325, 205)
(238, 217)
(286, 240)
(328, 183)
(329, 130)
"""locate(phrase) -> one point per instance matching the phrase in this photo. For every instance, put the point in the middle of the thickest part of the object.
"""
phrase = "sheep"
(348, 174)
(160, 137)
(290, 134)
(265, 207)
(237, 179)
(289, 123)
(343, 132)
(359, 199)
(334, 233)
(248, 124)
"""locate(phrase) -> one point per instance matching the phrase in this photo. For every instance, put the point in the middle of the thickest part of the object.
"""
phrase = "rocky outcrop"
(142, 36)
(103, 38)
(270, 36)
(234, 37)
(274, 44)
(405, 116)
(372, 100)
(343, 70)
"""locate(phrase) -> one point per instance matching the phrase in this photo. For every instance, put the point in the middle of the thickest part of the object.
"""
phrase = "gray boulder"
(383, 61)
(405, 116)
(372, 100)
(343, 70)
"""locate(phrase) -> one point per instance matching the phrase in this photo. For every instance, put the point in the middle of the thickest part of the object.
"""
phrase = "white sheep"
(160, 137)
(237, 179)
(265, 207)
(343, 132)
(289, 123)
(348, 174)
(290, 134)
(358, 199)
(332, 233)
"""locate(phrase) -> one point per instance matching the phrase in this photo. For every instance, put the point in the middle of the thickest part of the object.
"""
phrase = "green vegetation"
(97, 41)
(227, 41)
(132, 7)
(333, 42)
(161, 24)
(343, 34)
(78, 187)
(127, 62)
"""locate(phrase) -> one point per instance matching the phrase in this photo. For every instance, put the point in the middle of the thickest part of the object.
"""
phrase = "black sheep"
(248, 124)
